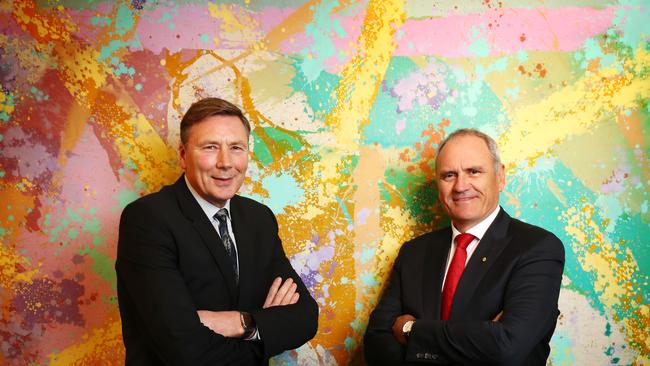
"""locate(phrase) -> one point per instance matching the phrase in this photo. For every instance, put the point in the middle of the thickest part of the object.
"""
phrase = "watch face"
(407, 326)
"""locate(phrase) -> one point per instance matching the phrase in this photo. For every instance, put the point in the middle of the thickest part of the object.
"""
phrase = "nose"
(461, 184)
(223, 159)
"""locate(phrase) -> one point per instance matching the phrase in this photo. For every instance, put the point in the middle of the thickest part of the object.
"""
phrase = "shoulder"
(250, 204)
(534, 237)
(152, 204)
(252, 212)
(417, 246)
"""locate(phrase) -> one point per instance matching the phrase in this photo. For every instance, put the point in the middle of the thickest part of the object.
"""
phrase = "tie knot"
(221, 215)
(464, 239)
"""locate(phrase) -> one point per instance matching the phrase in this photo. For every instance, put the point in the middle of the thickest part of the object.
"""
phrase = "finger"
(273, 290)
(277, 300)
(498, 317)
(294, 298)
(287, 297)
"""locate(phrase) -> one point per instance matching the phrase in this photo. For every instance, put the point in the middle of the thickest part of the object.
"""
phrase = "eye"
(448, 175)
(474, 172)
(238, 148)
(210, 147)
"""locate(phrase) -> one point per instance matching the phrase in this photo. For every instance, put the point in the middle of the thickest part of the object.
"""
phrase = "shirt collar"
(208, 208)
(479, 229)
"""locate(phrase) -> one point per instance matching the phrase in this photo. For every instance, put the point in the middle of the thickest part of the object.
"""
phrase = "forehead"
(464, 149)
(219, 127)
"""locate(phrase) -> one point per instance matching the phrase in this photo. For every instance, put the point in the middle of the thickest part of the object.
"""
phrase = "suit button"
(427, 356)
(419, 355)
(434, 356)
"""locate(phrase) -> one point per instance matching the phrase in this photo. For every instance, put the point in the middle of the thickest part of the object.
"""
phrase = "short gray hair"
(489, 141)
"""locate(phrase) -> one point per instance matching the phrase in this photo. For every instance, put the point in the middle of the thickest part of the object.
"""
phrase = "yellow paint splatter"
(617, 280)
(535, 129)
(362, 76)
(102, 347)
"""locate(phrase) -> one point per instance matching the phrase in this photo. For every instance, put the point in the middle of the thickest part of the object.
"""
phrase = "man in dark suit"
(202, 275)
(481, 292)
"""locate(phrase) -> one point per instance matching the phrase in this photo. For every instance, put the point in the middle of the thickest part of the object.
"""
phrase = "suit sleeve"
(154, 292)
(286, 327)
(380, 346)
(529, 312)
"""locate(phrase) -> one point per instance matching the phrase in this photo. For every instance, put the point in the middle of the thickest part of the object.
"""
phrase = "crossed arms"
(515, 311)
(162, 283)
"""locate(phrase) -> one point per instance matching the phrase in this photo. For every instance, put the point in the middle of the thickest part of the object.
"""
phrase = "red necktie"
(453, 274)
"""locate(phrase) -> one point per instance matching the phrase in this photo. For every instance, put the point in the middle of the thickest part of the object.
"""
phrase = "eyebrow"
(214, 142)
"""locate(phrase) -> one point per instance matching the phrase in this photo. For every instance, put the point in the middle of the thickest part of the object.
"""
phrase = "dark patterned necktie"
(222, 217)
(454, 273)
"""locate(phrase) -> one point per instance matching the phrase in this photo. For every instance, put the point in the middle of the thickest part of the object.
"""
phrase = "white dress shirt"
(210, 210)
(478, 231)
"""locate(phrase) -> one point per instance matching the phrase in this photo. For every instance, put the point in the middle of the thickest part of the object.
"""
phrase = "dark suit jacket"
(171, 263)
(521, 275)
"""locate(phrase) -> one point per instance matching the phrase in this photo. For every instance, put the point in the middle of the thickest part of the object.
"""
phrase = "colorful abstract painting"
(348, 101)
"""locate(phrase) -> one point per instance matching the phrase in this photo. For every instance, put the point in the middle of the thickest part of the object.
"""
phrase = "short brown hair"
(209, 107)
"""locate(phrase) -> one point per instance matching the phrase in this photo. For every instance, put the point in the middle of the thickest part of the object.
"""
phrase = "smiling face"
(215, 157)
(468, 181)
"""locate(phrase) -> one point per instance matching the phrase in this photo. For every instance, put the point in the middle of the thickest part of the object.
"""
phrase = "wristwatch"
(248, 323)
(406, 329)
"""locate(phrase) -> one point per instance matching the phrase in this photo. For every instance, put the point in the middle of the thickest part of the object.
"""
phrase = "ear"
(181, 155)
(501, 177)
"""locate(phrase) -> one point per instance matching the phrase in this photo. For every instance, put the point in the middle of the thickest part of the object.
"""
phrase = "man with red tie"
(481, 292)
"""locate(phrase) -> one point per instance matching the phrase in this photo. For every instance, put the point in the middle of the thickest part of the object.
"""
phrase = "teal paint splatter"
(124, 20)
(320, 29)
(632, 20)
(319, 92)
(346, 214)
(367, 254)
(204, 38)
(480, 47)
(561, 349)
(368, 279)
(350, 344)
(283, 191)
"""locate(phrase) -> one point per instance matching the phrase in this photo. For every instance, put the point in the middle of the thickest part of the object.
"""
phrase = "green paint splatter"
(126, 197)
(262, 152)
(92, 226)
(103, 266)
(73, 233)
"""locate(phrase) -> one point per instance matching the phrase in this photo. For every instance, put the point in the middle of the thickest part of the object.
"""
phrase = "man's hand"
(226, 323)
(399, 325)
(496, 318)
(281, 293)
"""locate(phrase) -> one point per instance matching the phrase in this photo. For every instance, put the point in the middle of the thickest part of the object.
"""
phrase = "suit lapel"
(244, 238)
(490, 247)
(433, 272)
(204, 227)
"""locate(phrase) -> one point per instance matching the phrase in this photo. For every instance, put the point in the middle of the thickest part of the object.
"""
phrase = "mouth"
(463, 199)
(223, 180)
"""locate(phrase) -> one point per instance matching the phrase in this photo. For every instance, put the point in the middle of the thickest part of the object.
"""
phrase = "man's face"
(215, 157)
(468, 183)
